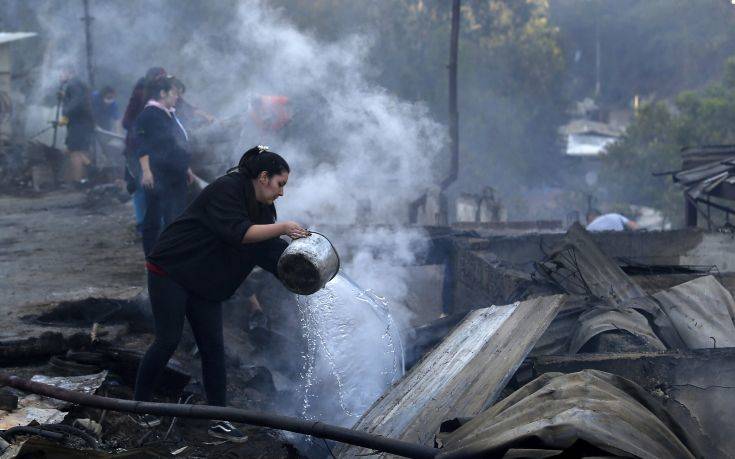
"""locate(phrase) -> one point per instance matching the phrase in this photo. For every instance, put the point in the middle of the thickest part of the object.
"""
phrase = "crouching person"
(201, 259)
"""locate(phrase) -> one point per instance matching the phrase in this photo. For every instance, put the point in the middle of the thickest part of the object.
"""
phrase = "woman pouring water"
(201, 259)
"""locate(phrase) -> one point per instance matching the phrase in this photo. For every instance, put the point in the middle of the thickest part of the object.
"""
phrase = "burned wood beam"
(463, 375)
(32, 349)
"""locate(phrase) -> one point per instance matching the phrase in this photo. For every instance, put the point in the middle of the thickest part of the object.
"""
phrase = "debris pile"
(599, 367)
(95, 348)
(552, 344)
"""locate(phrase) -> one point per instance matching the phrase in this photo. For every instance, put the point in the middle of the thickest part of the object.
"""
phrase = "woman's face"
(169, 98)
(267, 190)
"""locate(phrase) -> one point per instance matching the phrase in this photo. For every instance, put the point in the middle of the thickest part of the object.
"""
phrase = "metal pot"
(308, 263)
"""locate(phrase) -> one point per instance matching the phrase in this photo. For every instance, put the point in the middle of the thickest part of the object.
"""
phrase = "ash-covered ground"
(70, 259)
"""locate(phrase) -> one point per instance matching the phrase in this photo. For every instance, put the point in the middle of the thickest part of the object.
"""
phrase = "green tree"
(652, 143)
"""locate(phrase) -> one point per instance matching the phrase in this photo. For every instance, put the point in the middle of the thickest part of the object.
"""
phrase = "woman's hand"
(147, 179)
(294, 230)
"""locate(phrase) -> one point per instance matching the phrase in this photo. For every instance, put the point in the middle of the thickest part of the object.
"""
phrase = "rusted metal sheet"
(463, 375)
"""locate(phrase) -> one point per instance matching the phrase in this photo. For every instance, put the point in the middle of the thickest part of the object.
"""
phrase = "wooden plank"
(462, 376)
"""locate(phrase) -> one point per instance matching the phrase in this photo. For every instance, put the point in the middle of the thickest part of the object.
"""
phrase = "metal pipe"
(274, 421)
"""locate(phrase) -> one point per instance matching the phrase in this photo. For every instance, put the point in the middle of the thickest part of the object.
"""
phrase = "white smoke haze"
(358, 144)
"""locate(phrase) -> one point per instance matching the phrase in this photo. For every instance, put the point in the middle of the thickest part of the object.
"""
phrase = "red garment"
(271, 113)
(155, 269)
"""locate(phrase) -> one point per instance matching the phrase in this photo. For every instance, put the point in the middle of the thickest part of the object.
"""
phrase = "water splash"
(354, 351)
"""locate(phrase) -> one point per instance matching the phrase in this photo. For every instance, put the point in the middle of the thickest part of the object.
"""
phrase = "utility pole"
(453, 111)
(443, 214)
(598, 54)
(87, 19)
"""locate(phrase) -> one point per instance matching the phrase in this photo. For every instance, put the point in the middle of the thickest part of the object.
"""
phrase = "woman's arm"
(259, 233)
(145, 166)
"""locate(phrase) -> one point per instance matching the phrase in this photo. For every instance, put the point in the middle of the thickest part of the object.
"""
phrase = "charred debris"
(531, 342)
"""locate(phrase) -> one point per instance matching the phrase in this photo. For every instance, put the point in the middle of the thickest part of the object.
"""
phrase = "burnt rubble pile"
(28, 164)
(615, 345)
(94, 346)
(551, 344)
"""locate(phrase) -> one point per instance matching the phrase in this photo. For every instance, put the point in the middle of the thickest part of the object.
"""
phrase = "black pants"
(164, 203)
(170, 303)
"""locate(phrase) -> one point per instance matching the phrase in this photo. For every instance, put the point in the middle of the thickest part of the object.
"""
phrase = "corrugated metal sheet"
(593, 410)
(702, 312)
(462, 376)
(579, 267)
(598, 320)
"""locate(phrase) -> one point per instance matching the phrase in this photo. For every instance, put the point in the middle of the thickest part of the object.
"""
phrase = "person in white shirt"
(608, 222)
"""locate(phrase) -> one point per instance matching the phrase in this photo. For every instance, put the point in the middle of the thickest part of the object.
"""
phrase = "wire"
(328, 448)
(173, 421)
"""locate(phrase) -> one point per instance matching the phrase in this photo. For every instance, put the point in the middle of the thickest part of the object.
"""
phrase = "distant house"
(586, 138)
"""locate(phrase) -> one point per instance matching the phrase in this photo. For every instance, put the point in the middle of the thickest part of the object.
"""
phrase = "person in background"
(163, 153)
(79, 121)
(105, 109)
(189, 114)
(136, 103)
(608, 222)
(201, 259)
(270, 113)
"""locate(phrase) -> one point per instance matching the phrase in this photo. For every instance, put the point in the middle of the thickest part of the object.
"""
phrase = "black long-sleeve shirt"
(202, 250)
(159, 135)
(77, 106)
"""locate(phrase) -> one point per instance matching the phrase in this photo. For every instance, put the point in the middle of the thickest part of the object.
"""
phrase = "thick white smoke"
(357, 152)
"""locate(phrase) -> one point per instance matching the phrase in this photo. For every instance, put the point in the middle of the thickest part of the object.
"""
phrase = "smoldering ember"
(396, 228)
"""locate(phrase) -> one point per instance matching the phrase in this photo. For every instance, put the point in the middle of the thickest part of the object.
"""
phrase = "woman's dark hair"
(154, 73)
(154, 87)
(180, 86)
(252, 163)
(259, 159)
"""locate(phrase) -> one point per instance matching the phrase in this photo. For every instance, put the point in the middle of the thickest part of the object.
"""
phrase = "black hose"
(89, 439)
(274, 421)
(25, 430)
